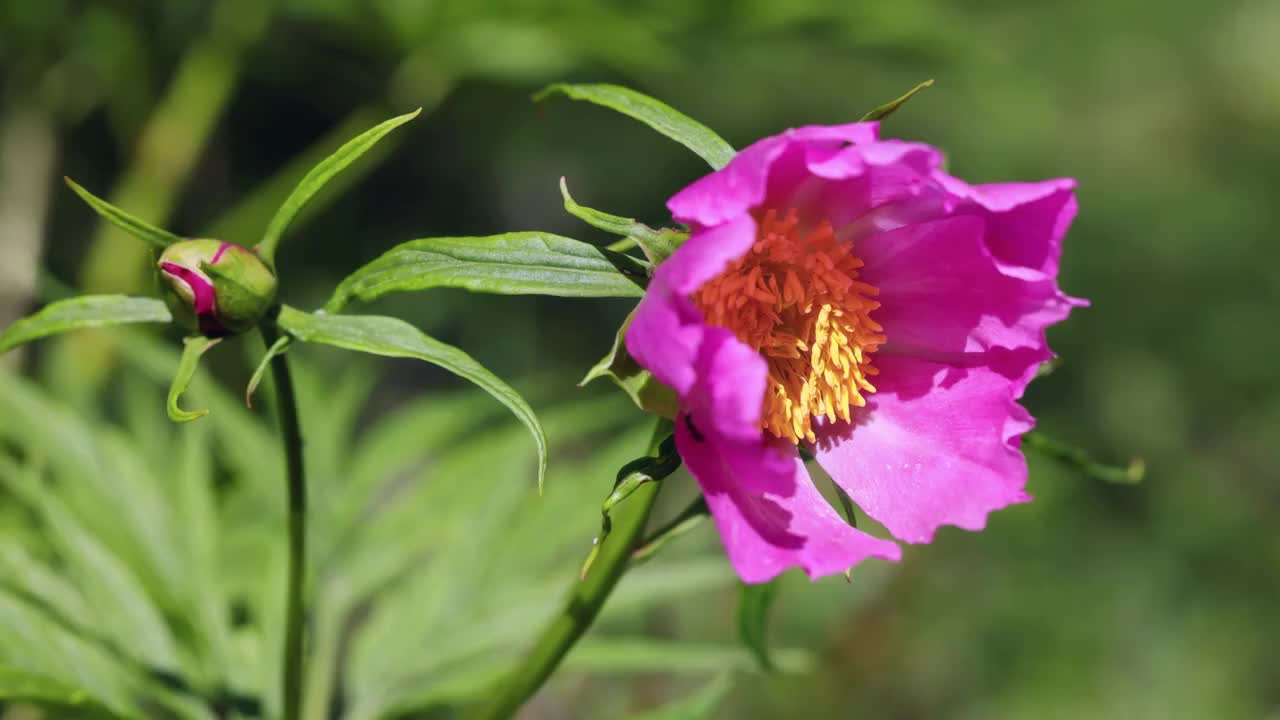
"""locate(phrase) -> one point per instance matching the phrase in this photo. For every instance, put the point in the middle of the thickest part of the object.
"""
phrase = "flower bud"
(216, 288)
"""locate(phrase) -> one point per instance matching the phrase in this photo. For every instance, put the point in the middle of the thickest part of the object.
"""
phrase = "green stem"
(291, 436)
(585, 602)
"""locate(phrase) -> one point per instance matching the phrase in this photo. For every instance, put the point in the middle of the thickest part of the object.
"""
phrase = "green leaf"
(754, 602)
(392, 337)
(146, 232)
(20, 686)
(192, 348)
(319, 175)
(644, 390)
(654, 113)
(698, 706)
(83, 312)
(891, 107)
(658, 245)
(519, 263)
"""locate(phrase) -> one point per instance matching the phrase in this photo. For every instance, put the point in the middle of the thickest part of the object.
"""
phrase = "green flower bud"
(216, 288)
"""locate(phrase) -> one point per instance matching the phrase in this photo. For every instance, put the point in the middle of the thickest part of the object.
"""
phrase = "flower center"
(796, 299)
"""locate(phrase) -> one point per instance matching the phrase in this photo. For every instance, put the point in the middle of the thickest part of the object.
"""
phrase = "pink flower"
(843, 292)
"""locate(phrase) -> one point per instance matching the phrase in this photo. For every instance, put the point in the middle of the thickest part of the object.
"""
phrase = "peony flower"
(216, 288)
(843, 293)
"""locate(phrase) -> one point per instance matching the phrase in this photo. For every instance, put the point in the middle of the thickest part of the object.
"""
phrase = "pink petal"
(1025, 221)
(742, 184)
(936, 445)
(789, 525)
(943, 295)
(667, 330)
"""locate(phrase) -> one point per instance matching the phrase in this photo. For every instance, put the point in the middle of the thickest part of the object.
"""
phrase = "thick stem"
(585, 602)
(291, 436)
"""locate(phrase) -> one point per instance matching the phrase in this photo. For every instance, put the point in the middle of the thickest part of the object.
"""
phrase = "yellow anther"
(796, 299)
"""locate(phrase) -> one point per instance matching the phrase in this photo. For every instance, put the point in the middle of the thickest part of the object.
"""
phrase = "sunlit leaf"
(658, 245)
(63, 700)
(654, 113)
(392, 337)
(83, 312)
(144, 231)
(520, 263)
(319, 175)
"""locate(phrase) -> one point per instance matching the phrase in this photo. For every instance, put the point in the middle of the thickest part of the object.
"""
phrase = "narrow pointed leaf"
(658, 245)
(891, 107)
(639, 384)
(754, 602)
(279, 347)
(519, 263)
(688, 519)
(392, 337)
(192, 348)
(144, 231)
(654, 113)
(20, 686)
(319, 175)
(83, 312)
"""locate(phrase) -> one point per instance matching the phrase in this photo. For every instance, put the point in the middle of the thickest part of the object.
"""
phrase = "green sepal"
(192, 348)
(245, 290)
(85, 311)
(57, 698)
(393, 337)
(892, 106)
(144, 231)
(639, 384)
(658, 245)
(313, 181)
(654, 113)
(754, 602)
(279, 347)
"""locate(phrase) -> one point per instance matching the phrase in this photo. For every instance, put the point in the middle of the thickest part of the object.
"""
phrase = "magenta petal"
(942, 294)
(1025, 221)
(789, 525)
(201, 289)
(667, 331)
(744, 182)
(936, 445)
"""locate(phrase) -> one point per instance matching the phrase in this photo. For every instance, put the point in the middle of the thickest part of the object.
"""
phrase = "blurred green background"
(1155, 601)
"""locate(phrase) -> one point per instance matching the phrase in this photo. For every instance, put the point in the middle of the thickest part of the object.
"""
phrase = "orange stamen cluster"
(796, 299)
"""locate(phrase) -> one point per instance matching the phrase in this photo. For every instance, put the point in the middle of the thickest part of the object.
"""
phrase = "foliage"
(158, 583)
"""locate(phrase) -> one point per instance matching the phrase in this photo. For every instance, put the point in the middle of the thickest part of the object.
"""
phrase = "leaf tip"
(547, 92)
(1136, 471)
